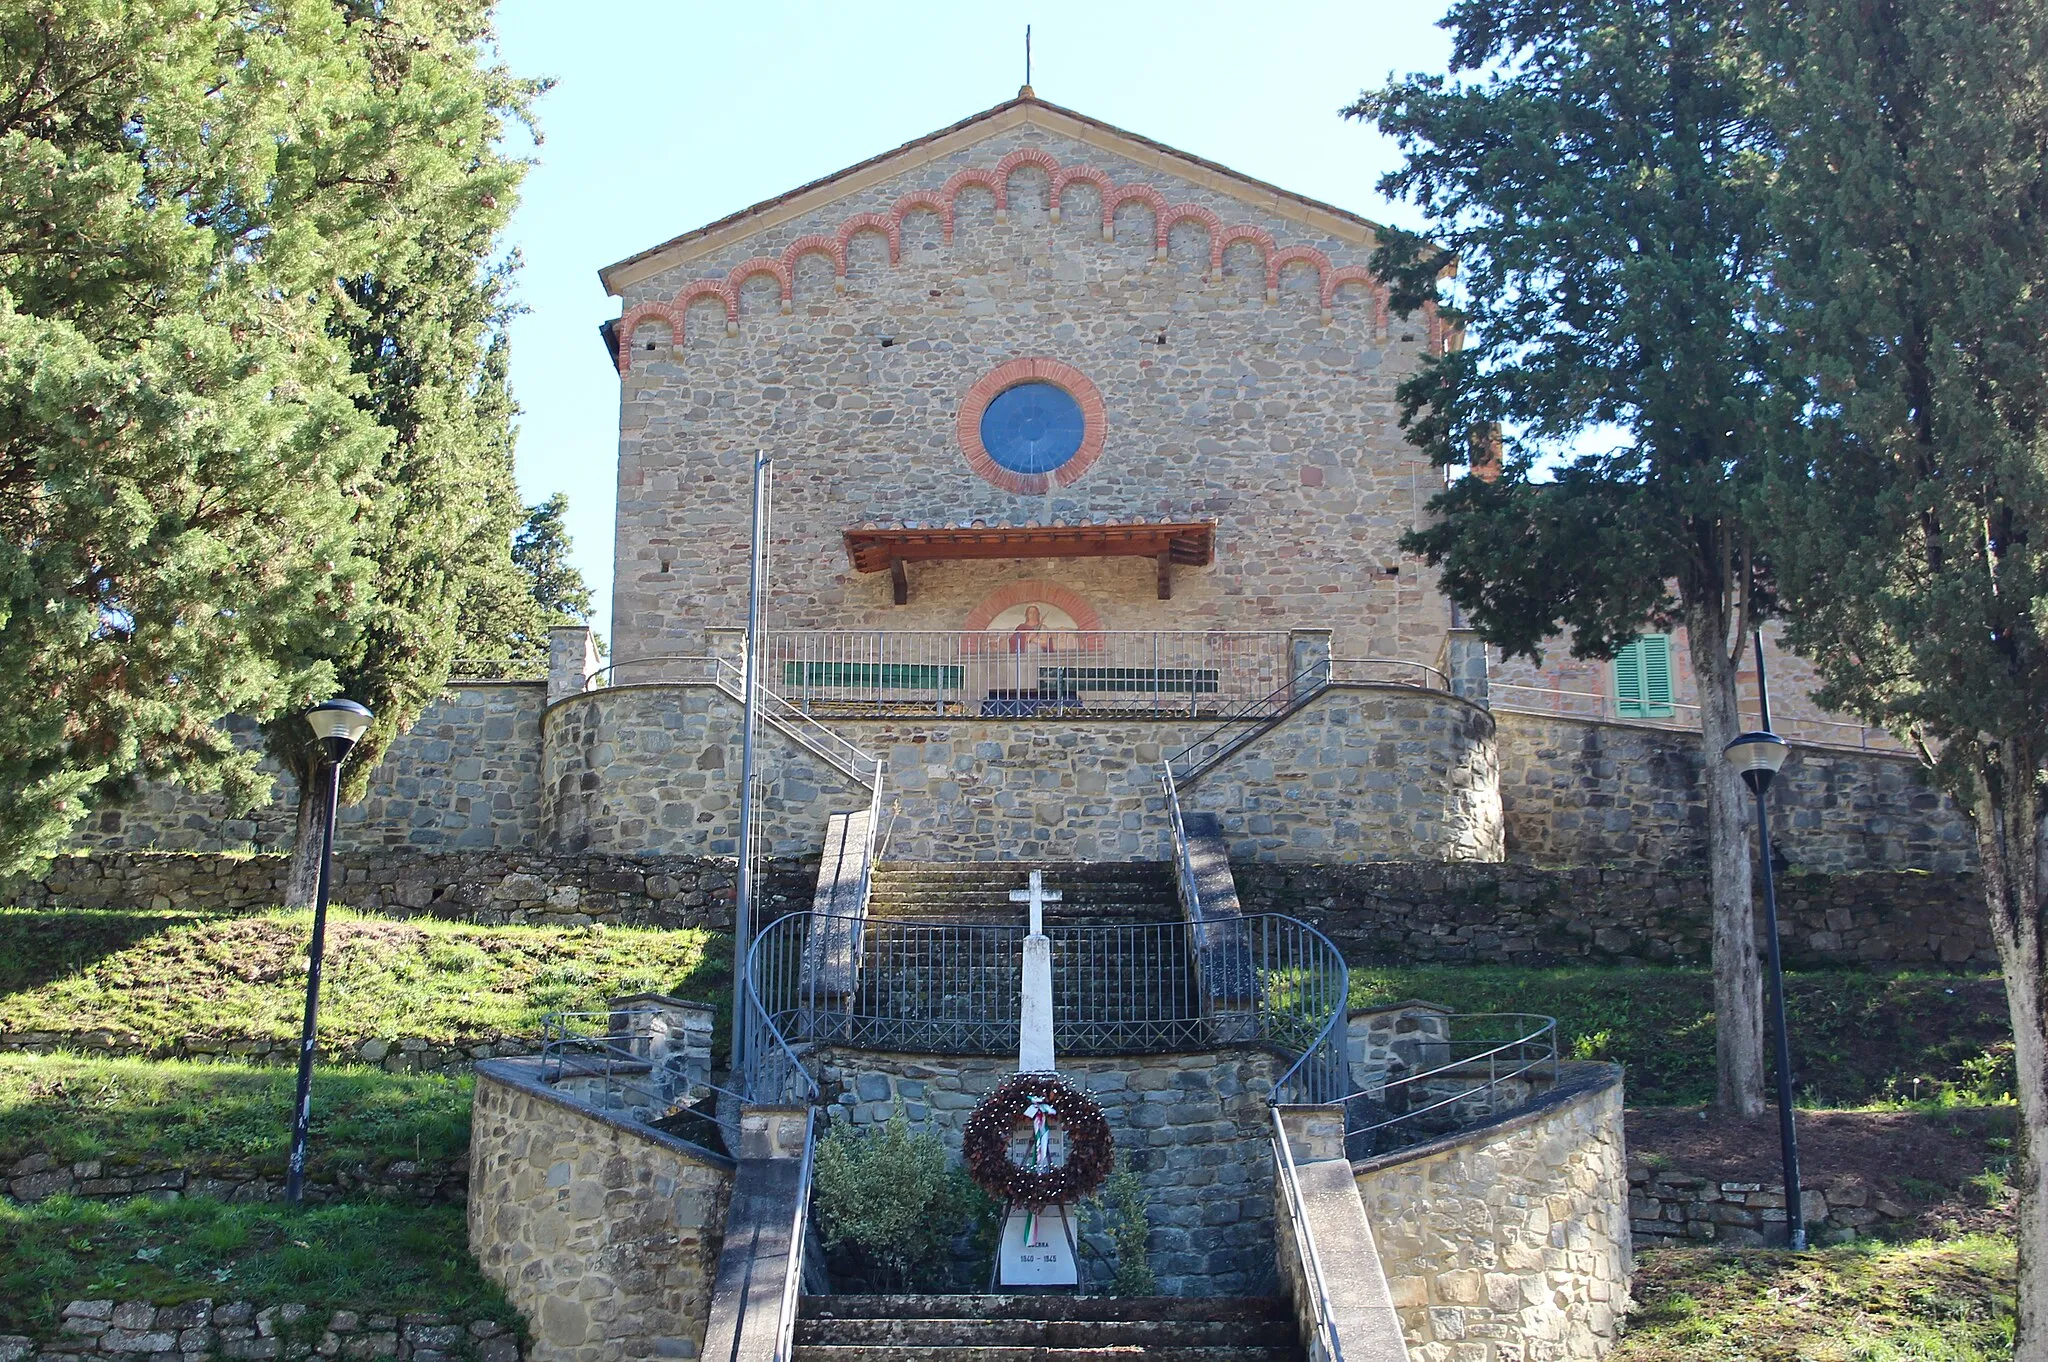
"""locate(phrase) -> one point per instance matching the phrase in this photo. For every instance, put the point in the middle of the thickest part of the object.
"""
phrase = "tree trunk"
(2009, 812)
(1738, 970)
(302, 882)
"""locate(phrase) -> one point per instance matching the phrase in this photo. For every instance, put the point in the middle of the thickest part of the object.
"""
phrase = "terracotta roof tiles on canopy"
(1189, 544)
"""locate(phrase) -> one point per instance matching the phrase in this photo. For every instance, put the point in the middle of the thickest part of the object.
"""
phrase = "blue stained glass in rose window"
(1032, 428)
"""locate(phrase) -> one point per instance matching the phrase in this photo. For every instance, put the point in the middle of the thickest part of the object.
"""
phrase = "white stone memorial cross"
(1034, 1042)
(1043, 1256)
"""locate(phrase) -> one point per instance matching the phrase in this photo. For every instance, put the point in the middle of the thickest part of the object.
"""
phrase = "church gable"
(1023, 166)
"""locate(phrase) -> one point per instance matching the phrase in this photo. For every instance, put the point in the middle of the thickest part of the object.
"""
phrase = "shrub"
(1117, 1213)
(892, 1198)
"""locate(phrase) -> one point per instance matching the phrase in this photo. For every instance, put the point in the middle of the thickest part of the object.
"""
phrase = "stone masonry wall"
(603, 1234)
(1667, 1206)
(1228, 396)
(1362, 772)
(1576, 792)
(1510, 1243)
(37, 1177)
(125, 1331)
(655, 769)
(492, 887)
(1519, 914)
(466, 776)
(1194, 1127)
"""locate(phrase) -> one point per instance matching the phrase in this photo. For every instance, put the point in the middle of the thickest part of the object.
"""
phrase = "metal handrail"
(1429, 674)
(1124, 988)
(1183, 855)
(568, 1053)
(1324, 1343)
(793, 1271)
(1543, 1037)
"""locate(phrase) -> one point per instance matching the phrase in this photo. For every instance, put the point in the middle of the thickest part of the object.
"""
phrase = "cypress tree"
(1912, 548)
(1599, 188)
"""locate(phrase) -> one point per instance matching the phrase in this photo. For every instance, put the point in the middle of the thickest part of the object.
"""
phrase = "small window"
(1642, 679)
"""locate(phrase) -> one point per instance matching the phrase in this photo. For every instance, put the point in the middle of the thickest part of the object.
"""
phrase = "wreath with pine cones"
(1038, 1100)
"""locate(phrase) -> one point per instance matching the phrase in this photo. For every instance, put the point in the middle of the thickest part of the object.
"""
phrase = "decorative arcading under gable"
(941, 202)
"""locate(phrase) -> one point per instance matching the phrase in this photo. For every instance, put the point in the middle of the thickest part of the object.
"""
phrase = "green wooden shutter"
(1628, 681)
(1657, 676)
(1642, 679)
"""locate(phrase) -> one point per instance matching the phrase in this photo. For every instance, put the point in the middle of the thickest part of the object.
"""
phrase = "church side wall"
(1577, 792)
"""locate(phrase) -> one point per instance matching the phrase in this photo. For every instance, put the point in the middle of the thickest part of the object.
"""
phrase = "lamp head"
(338, 724)
(1756, 757)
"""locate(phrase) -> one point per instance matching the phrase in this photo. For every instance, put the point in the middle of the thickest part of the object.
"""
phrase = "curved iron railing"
(1125, 988)
(1464, 1081)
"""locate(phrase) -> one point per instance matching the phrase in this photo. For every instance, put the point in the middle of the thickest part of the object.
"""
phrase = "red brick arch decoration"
(1094, 423)
(942, 201)
(1035, 592)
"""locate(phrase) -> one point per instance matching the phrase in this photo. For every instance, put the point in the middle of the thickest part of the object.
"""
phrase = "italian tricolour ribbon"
(1038, 1110)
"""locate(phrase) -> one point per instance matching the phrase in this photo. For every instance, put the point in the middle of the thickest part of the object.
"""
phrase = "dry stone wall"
(38, 1177)
(1519, 914)
(124, 1331)
(1511, 1243)
(395, 1054)
(1667, 1206)
(1194, 1127)
(523, 887)
(604, 1234)
(1577, 792)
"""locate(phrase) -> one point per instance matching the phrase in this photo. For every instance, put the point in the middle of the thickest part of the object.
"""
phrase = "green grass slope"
(1948, 1301)
(161, 976)
(1856, 1038)
(171, 1113)
(364, 1255)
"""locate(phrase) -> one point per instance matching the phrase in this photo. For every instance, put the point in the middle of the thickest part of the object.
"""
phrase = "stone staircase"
(1096, 892)
(1044, 1329)
(1130, 991)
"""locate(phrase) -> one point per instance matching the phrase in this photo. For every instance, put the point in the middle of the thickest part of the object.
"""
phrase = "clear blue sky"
(667, 115)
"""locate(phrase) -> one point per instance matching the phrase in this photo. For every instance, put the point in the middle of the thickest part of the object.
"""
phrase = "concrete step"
(954, 1352)
(1037, 1333)
(995, 1306)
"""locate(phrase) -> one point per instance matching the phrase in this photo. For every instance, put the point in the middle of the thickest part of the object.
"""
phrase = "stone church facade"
(1084, 460)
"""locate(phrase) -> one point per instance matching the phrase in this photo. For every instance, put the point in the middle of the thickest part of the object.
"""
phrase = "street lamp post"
(1757, 757)
(337, 724)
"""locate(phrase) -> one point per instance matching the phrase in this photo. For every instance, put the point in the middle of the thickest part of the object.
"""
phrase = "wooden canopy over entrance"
(1191, 544)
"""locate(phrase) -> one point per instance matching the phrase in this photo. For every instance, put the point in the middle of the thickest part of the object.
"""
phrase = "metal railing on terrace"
(945, 988)
(1022, 672)
(1459, 1082)
(1586, 704)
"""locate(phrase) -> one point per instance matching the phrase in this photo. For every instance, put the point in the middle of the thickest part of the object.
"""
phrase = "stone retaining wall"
(1195, 1128)
(1667, 1206)
(466, 775)
(405, 1054)
(125, 1331)
(1515, 914)
(1584, 792)
(38, 1177)
(1512, 1240)
(489, 887)
(604, 1234)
